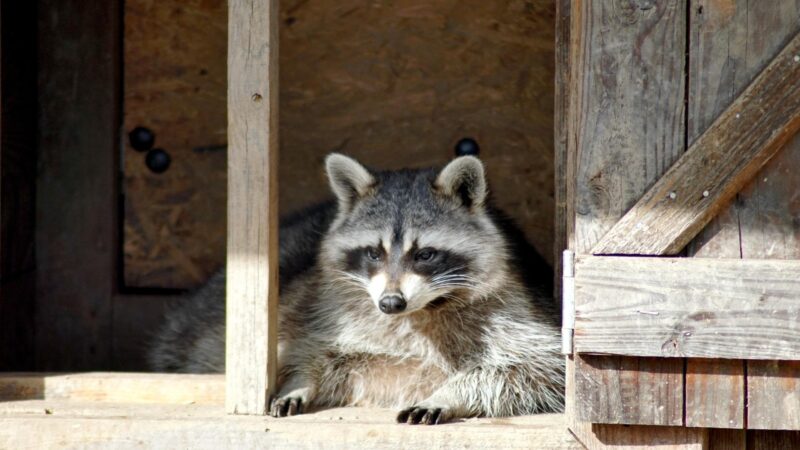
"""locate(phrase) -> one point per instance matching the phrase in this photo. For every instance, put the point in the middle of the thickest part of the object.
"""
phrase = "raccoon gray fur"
(408, 292)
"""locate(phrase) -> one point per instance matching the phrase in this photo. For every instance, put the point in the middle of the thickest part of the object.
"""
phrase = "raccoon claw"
(420, 415)
(285, 406)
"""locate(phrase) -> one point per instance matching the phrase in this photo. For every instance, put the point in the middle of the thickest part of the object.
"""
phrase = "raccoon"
(409, 292)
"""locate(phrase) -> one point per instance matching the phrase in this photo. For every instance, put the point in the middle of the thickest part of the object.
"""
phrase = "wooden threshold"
(67, 424)
(143, 410)
(124, 387)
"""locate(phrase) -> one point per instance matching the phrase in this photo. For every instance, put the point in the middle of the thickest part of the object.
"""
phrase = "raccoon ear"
(464, 179)
(349, 180)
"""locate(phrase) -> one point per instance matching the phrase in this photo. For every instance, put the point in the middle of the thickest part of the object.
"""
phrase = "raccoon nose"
(392, 304)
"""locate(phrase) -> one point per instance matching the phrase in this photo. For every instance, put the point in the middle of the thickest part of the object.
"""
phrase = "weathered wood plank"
(688, 307)
(773, 395)
(252, 268)
(766, 209)
(629, 122)
(625, 128)
(628, 390)
(125, 426)
(17, 183)
(601, 436)
(728, 48)
(564, 208)
(76, 191)
(773, 440)
(715, 389)
(714, 393)
(111, 387)
(727, 439)
(722, 160)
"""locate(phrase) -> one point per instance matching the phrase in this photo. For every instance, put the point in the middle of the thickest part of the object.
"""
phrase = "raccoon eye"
(426, 254)
(373, 253)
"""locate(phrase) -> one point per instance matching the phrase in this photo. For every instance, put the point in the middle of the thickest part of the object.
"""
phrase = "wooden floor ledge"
(72, 424)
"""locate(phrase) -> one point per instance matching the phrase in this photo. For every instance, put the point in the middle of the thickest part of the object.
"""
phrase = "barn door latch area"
(568, 302)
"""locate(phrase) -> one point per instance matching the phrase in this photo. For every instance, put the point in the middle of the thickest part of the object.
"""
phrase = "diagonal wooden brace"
(717, 166)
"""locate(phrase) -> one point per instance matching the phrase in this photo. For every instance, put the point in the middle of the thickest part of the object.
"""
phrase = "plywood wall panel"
(394, 84)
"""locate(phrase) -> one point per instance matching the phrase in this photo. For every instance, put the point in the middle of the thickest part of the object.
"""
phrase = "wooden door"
(719, 332)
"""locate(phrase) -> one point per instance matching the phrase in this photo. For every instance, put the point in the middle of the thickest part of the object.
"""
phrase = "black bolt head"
(142, 139)
(157, 160)
(467, 147)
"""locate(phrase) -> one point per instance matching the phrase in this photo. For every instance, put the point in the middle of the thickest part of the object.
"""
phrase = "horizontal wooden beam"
(716, 166)
(43, 424)
(688, 307)
(153, 388)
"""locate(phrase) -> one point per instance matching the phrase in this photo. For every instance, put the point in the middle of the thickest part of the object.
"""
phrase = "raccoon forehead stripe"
(408, 242)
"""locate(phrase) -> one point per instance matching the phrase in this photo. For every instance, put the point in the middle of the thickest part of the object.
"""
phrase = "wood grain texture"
(252, 268)
(175, 81)
(17, 183)
(128, 426)
(630, 113)
(76, 191)
(773, 440)
(629, 390)
(773, 395)
(727, 439)
(715, 393)
(688, 307)
(765, 210)
(563, 175)
(730, 43)
(712, 87)
(115, 387)
(395, 84)
(717, 166)
(625, 125)
(602, 436)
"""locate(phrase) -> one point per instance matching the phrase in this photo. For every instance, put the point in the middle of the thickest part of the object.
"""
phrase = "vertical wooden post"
(17, 184)
(78, 108)
(252, 267)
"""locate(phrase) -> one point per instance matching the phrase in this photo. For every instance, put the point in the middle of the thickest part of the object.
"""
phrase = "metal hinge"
(568, 302)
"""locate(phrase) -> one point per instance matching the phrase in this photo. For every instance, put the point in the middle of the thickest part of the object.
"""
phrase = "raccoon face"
(411, 240)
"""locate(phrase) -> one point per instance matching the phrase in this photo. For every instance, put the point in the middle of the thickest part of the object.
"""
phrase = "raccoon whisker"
(349, 276)
(449, 279)
(449, 271)
(454, 283)
(347, 287)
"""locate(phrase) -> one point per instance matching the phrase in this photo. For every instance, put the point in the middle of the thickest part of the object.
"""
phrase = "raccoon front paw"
(422, 415)
(286, 406)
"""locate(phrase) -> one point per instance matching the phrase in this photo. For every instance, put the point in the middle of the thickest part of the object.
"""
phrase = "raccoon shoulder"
(300, 237)
(534, 270)
(193, 332)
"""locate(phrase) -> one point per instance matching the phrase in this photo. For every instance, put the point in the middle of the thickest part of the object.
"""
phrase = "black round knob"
(467, 146)
(157, 160)
(142, 139)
